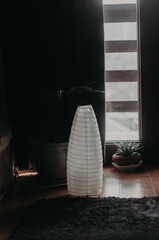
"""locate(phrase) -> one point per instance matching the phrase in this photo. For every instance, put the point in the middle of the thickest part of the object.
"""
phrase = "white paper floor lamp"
(84, 157)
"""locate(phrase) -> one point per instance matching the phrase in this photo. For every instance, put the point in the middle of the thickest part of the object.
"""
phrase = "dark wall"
(149, 17)
(3, 108)
(48, 45)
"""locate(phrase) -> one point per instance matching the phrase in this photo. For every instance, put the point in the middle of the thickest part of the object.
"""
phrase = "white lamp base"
(84, 157)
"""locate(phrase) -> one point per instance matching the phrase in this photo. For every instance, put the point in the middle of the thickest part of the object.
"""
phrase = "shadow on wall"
(53, 48)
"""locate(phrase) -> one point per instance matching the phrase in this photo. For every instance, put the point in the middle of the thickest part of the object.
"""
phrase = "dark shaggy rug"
(90, 218)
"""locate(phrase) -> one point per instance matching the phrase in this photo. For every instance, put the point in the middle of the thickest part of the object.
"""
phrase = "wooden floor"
(142, 182)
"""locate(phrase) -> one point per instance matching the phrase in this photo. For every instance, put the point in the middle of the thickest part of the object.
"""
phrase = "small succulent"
(127, 148)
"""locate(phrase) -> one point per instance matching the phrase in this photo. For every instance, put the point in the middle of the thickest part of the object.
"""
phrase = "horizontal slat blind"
(121, 69)
(121, 76)
(120, 46)
(120, 13)
(116, 14)
(120, 106)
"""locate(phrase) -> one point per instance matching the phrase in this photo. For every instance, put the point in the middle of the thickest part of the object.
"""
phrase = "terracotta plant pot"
(126, 160)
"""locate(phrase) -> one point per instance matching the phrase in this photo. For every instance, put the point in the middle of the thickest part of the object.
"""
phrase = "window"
(121, 69)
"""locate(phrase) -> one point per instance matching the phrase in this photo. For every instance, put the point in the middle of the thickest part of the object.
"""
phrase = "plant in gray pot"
(53, 114)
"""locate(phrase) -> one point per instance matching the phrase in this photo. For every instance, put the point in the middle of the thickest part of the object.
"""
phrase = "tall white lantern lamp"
(84, 156)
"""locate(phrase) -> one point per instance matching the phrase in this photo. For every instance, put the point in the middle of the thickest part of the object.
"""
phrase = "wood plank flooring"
(142, 182)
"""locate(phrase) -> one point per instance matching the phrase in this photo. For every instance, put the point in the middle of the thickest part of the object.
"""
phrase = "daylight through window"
(121, 69)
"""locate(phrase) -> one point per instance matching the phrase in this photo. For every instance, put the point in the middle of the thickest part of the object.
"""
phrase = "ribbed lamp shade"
(84, 156)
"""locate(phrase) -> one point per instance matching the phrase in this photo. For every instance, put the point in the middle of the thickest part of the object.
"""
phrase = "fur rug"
(90, 219)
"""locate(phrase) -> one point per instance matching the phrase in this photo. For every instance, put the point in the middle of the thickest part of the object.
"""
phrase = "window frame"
(110, 148)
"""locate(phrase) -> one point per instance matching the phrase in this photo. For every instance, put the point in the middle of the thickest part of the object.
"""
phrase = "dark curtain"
(149, 25)
(50, 45)
(3, 109)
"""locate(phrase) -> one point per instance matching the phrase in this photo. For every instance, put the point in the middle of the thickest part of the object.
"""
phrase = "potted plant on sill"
(54, 111)
(127, 153)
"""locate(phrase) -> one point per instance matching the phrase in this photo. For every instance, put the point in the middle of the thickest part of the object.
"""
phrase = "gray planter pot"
(50, 161)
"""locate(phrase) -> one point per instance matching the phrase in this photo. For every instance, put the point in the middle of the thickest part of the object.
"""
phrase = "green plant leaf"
(127, 148)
